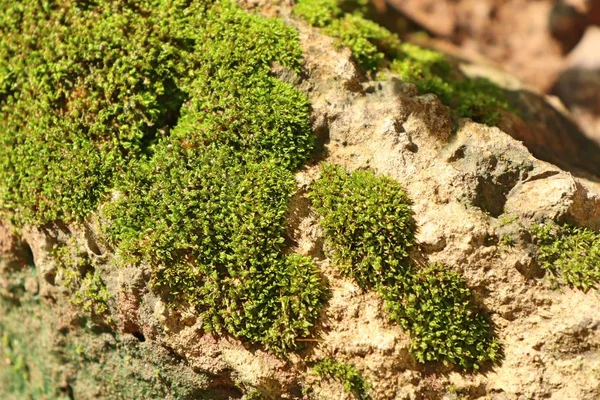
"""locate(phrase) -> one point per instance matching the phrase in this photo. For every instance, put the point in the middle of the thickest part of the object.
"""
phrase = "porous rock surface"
(471, 187)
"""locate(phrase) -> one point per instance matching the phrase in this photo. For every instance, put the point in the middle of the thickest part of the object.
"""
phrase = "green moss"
(88, 89)
(350, 377)
(368, 223)
(15, 375)
(374, 47)
(207, 209)
(481, 100)
(429, 70)
(83, 285)
(571, 254)
(40, 359)
(318, 13)
(84, 89)
(369, 42)
(475, 98)
(369, 229)
(436, 307)
(164, 113)
(253, 394)
(92, 295)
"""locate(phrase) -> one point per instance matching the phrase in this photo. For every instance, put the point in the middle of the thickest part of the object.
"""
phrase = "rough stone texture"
(471, 188)
(550, 45)
(467, 187)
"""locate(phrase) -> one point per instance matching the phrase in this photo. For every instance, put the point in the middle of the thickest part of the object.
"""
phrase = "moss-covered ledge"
(164, 115)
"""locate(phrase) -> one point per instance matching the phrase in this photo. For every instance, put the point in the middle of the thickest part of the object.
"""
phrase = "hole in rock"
(139, 336)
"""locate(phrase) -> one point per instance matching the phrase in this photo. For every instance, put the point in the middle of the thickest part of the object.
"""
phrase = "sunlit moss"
(374, 48)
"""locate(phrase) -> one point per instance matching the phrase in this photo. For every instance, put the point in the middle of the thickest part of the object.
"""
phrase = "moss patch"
(374, 48)
(435, 305)
(85, 87)
(41, 360)
(369, 229)
(349, 375)
(82, 284)
(318, 13)
(164, 113)
(571, 254)
(368, 222)
(475, 98)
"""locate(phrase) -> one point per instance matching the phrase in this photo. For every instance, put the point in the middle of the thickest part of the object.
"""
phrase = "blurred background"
(552, 46)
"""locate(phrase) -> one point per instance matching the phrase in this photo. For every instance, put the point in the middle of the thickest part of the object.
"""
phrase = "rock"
(543, 124)
(463, 185)
(554, 193)
(567, 25)
(471, 185)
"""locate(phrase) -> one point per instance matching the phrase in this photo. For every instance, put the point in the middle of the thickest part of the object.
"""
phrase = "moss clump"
(207, 209)
(374, 47)
(318, 13)
(369, 228)
(368, 222)
(436, 307)
(369, 42)
(165, 115)
(475, 98)
(84, 88)
(350, 377)
(571, 254)
(429, 70)
(87, 89)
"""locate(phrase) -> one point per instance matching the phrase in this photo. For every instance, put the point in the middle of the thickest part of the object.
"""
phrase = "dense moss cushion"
(163, 114)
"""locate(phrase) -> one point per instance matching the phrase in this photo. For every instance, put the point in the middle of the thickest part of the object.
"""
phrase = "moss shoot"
(163, 114)
(374, 48)
(369, 228)
(571, 254)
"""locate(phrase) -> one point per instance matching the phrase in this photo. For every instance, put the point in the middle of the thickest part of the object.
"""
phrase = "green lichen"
(164, 114)
(369, 229)
(374, 48)
(349, 375)
(571, 254)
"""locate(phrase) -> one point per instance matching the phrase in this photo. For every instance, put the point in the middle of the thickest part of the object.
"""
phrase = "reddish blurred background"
(552, 46)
